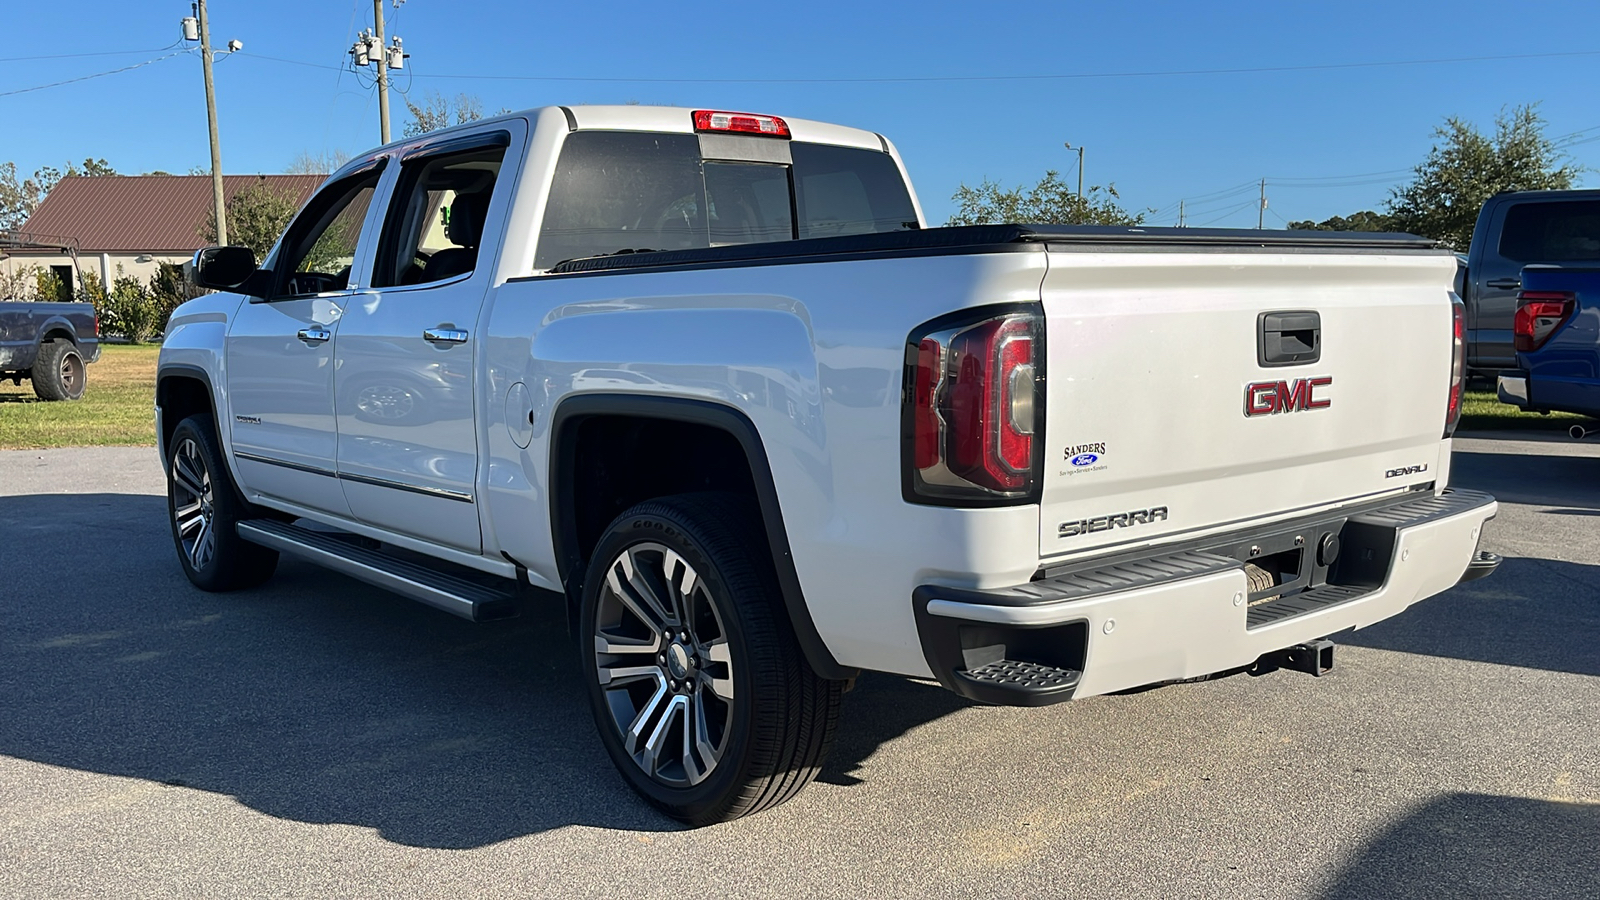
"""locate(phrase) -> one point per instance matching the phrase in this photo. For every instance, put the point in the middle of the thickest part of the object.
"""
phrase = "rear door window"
(1552, 232)
(436, 219)
(843, 190)
(616, 192)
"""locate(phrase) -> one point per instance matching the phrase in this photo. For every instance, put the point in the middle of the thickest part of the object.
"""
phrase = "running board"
(457, 596)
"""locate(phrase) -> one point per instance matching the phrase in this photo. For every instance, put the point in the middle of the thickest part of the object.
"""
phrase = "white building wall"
(139, 265)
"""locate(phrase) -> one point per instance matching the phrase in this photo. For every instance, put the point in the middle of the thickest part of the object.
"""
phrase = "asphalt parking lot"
(319, 738)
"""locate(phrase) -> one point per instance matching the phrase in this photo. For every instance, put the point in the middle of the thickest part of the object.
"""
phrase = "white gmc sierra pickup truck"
(705, 378)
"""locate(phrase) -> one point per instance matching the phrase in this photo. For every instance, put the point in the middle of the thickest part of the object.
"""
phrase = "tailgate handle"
(1289, 338)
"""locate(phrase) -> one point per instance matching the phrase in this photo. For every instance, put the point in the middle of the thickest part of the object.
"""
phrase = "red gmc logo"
(1265, 398)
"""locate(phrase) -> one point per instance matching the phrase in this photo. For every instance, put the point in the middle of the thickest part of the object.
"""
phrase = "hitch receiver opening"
(1313, 658)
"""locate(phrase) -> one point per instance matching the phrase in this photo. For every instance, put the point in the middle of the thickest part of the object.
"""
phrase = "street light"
(1069, 146)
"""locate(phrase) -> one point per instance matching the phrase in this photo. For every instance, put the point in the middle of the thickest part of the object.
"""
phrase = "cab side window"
(320, 246)
(435, 223)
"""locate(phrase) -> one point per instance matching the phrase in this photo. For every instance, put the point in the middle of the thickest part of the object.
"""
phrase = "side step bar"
(457, 596)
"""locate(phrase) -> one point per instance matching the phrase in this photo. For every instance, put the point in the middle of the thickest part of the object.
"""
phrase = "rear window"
(1551, 232)
(616, 191)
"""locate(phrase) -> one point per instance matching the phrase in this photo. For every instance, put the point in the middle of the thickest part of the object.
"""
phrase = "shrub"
(19, 282)
(168, 290)
(48, 285)
(135, 309)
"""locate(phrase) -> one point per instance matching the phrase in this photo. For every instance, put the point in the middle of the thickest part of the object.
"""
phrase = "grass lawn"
(117, 409)
(1483, 411)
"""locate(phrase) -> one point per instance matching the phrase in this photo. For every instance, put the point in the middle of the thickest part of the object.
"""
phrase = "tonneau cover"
(1002, 238)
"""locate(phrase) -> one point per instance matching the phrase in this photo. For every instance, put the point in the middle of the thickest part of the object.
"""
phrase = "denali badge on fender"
(1265, 398)
(1114, 520)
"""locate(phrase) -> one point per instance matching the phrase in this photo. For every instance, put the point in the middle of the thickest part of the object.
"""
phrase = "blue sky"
(1158, 137)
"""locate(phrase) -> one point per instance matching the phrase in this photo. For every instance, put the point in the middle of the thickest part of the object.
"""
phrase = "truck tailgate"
(1161, 421)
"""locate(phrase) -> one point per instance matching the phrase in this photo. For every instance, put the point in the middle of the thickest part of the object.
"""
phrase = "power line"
(6, 59)
(52, 84)
(914, 79)
(1230, 213)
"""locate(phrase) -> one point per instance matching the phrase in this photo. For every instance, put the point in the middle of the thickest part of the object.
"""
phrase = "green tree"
(168, 290)
(1466, 167)
(1365, 220)
(436, 111)
(257, 216)
(1050, 202)
(19, 197)
(323, 163)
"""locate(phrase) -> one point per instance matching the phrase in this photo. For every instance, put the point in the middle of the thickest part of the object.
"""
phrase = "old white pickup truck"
(705, 378)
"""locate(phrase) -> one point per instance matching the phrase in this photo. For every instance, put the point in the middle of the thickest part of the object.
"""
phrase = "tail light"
(740, 123)
(1539, 314)
(1458, 364)
(974, 409)
(97, 323)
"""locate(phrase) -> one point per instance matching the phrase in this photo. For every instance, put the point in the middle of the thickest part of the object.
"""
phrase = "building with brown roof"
(131, 222)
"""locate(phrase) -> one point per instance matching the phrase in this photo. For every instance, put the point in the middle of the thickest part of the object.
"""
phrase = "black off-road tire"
(780, 721)
(204, 507)
(59, 373)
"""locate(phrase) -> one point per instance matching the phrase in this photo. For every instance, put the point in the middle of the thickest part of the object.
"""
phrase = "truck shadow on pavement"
(316, 698)
(1479, 845)
(1569, 482)
(1534, 613)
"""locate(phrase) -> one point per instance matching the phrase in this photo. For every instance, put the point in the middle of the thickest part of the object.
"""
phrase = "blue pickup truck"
(49, 343)
(1556, 332)
(1515, 230)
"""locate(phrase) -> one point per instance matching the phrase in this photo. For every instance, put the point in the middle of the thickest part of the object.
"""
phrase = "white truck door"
(280, 352)
(403, 392)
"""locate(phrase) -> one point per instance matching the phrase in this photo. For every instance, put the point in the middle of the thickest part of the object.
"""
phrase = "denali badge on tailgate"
(1265, 398)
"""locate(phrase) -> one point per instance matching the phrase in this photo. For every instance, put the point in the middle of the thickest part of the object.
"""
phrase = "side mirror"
(224, 268)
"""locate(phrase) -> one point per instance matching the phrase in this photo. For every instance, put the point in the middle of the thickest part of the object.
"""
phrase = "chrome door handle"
(444, 335)
(1505, 284)
(315, 335)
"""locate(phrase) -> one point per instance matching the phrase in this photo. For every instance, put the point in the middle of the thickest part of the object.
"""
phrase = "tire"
(59, 372)
(204, 506)
(721, 656)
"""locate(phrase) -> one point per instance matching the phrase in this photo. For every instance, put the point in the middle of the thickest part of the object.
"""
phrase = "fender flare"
(563, 499)
(195, 373)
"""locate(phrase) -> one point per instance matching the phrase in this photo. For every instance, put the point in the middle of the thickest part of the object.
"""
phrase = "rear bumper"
(1512, 388)
(1183, 615)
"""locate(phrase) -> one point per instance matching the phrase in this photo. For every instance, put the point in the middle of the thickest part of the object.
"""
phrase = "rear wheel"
(205, 508)
(58, 373)
(702, 695)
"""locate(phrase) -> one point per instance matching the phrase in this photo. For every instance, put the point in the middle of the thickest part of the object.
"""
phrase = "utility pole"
(203, 26)
(369, 48)
(1261, 214)
(383, 72)
(1180, 213)
(1081, 210)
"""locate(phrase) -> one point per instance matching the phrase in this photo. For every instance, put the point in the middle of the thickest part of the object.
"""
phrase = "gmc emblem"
(1266, 398)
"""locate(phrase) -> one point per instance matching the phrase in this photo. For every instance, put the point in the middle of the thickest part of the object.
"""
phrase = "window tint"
(321, 244)
(617, 191)
(436, 220)
(748, 203)
(1551, 232)
(842, 190)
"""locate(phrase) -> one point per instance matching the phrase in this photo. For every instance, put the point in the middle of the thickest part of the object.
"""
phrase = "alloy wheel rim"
(664, 665)
(71, 367)
(193, 506)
